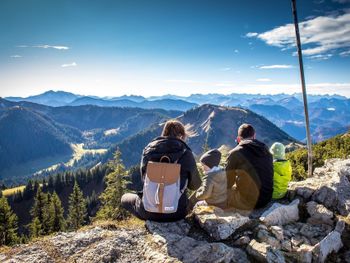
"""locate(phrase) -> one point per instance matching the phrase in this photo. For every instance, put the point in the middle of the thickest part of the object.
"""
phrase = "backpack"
(161, 188)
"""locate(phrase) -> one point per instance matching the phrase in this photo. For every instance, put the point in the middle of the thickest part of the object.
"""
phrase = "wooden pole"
(302, 78)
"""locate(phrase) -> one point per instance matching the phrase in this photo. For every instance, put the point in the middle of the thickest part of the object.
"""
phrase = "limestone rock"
(331, 243)
(180, 227)
(217, 223)
(262, 252)
(169, 239)
(329, 186)
(319, 214)
(277, 231)
(279, 214)
(264, 236)
(244, 240)
(92, 245)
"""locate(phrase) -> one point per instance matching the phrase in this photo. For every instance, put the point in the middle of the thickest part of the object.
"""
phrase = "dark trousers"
(133, 203)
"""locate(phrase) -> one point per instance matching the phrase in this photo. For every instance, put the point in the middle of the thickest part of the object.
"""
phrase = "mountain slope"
(26, 135)
(49, 98)
(166, 104)
(215, 125)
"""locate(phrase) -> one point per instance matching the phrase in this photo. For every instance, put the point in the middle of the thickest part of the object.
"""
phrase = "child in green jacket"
(282, 170)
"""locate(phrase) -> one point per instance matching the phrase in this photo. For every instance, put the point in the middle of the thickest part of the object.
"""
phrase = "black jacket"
(175, 149)
(250, 167)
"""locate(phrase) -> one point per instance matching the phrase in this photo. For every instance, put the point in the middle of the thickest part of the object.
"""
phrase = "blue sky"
(112, 47)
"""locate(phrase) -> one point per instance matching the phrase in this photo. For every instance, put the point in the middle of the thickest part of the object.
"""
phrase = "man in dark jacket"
(249, 172)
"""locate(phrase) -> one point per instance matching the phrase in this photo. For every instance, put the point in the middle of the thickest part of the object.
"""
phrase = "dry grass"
(129, 223)
(12, 191)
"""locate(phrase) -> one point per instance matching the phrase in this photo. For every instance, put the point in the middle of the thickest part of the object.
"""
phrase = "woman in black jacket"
(171, 144)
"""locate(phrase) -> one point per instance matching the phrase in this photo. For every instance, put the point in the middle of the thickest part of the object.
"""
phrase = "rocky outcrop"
(93, 245)
(329, 186)
(279, 214)
(170, 242)
(219, 224)
(305, 227)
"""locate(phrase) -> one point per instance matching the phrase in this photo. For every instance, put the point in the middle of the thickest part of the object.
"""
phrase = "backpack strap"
(182, 155)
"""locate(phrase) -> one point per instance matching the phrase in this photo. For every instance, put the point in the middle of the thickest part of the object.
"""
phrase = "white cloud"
(225, 69)
(263, 80)
(73, 64)
(322, 34)
(45, 46)
(16, 56)
(276, 67)
(251, 34)
(321, 56)
(236, 51)
(54, 47)
(345, 53)
(187, 81)
(341, 1)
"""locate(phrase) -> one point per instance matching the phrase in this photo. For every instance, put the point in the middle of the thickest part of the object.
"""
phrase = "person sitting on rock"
(213, 190)
(172, 146)
(282, 170)
(249, 172)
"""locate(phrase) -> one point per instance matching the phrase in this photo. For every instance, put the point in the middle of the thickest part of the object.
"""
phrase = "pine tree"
(77, 208)
(115, 188)
(35, 228)
(8, 224)
(40, 215)
(56, 218)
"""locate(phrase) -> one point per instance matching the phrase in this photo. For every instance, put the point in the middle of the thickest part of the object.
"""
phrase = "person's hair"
(174, 128)
(246, 131)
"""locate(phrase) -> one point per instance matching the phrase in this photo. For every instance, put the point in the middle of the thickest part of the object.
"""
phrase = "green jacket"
(282, 176)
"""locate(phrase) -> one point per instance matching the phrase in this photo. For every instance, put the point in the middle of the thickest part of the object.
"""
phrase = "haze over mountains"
(56, 131)
(329, 114)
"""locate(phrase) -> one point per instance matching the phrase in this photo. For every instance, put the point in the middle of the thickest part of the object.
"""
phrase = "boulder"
(331, 243)
(319, 214)
(171, 244)
(91, 245)
(219, 224)
(279, 214)
(329, 186)
(262, 252)
(277, 231)
(244, 240)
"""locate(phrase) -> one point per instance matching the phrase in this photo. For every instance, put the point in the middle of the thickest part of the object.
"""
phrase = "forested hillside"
(336, 147)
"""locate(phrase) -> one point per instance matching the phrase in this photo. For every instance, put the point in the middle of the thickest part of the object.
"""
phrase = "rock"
(279, 214)
(180, 227)
(257, 250)
(304, 253)
(262, 252)
(264, 236)
(217, 223)
(286, 245)
(277, 232)
(315, 231)
(170, 242)
(242, 241)
(92, 245)
(331, 243)
(319, 214)
(275, 256)
(329, 186)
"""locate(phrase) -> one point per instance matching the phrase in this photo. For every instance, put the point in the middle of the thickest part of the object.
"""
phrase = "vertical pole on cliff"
(302, 77)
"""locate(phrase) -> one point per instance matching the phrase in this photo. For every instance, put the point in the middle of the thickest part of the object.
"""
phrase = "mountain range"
(215, 126)
(31, 131)
(329, 114)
